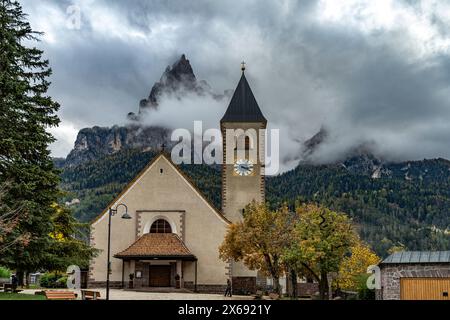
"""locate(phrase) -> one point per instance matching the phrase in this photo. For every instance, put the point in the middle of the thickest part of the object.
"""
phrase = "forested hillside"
(409, 204)
(388, 211)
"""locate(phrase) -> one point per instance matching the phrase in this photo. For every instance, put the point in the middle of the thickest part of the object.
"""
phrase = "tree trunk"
(323, 286)
(276, 284)
(27, 280)
(19, 275)
(293, 284)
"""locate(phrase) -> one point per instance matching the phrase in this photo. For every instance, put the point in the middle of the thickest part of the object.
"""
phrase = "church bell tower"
(243, 154)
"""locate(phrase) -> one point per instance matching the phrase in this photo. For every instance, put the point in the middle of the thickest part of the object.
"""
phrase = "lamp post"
(112, 212)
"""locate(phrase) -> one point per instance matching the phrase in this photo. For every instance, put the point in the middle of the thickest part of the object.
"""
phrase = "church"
(173, 233)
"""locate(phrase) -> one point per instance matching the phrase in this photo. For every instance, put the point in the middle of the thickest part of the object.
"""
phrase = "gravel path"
(115, 294)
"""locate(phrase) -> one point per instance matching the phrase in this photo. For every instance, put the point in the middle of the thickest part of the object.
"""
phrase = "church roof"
(243, 106)
(157, 245)
(130, 185)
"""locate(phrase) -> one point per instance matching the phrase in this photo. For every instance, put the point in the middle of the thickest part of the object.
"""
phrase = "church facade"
(174, 234)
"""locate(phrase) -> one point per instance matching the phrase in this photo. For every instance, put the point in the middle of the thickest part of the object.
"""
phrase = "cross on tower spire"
(243, 66)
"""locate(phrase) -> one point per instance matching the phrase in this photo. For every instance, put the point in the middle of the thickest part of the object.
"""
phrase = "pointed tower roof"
(243, 106)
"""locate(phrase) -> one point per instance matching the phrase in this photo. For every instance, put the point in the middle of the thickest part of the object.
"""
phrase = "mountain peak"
(180, 71)
(178, 77)
(177, 80)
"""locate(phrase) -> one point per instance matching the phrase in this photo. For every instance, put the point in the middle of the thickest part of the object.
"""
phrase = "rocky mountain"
(310, 146)
(94, 143)
(176, 81)
(97, 142)
(360, 160)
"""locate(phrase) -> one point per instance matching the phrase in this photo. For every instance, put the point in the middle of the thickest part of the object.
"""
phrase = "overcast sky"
(369, 71)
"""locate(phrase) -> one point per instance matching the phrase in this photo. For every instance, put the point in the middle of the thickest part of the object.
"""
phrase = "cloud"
(374, 72)
(174, 113)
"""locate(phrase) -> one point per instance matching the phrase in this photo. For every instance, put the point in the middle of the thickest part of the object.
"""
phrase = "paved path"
(116, 294)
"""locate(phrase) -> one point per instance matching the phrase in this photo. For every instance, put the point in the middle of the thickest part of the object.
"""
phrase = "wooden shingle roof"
(157, 246)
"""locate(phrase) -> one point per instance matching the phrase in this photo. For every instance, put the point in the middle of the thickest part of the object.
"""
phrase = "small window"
(161, 226)
(247, 142)
(161, 171)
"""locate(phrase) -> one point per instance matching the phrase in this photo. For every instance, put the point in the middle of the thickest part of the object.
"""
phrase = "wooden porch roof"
(157, 246)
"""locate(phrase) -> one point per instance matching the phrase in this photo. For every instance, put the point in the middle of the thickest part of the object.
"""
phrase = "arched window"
(160, 226)
(247, 143)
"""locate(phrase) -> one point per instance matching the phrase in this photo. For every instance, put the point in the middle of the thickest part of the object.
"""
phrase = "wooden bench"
(7, 287)
(274, 296)
(90, 295)
(60, 295)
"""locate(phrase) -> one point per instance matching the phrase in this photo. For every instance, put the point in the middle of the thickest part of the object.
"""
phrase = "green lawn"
(20, 296)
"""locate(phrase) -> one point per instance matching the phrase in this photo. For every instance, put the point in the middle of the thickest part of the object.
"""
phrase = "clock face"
(243, 167)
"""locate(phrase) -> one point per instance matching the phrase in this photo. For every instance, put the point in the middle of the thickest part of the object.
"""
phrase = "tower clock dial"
(243, 167)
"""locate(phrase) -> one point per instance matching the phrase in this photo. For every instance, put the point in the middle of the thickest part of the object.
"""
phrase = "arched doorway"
(160, 275)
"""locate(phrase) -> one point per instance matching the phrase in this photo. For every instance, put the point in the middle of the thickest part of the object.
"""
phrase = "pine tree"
(68, 247)
(26, 113)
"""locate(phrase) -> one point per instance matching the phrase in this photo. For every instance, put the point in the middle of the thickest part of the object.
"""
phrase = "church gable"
(161, 180)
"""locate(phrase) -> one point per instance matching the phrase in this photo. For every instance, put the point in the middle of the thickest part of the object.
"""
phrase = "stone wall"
(102, 284)
(392, 273)
(244, 285)
(205, 288)
(261, 282)
(307, 289)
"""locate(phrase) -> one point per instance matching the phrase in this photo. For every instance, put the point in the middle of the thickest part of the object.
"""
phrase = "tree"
(259, 240)
(321, 240)
(26, 113)
(355, 265)
(9, 219)
(399, 247)
(68, 247)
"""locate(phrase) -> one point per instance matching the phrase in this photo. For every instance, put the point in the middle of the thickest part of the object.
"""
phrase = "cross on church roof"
(243, 66)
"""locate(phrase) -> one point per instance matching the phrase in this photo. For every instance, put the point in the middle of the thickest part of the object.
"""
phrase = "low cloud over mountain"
(372, 73)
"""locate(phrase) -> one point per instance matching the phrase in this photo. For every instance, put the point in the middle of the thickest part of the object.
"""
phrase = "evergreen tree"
(25, 163)
(68, 247)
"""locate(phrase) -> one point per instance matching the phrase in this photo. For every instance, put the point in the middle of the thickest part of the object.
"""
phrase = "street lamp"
(112, 212)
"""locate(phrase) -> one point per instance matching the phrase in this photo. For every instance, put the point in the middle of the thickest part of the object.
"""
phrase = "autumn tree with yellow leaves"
(355, 265)
(259, 240)
(320, 240)
(313, 241)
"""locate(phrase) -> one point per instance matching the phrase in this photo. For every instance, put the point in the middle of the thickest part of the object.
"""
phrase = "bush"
(5, 272)
(61, 282)
(52, 280)
(364, 293)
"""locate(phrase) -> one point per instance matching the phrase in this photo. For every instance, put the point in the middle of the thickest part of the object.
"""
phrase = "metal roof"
(243, 106)
(418, 257)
